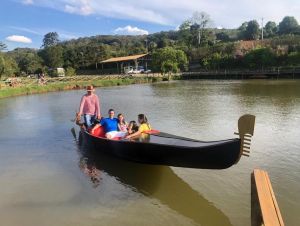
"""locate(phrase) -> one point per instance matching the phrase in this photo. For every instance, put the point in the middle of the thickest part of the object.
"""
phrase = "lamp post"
(96, 59)
(146, 41)
(82, 62)
(262, 28)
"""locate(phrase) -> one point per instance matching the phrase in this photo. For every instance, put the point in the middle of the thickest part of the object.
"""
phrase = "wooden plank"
(274, 199)
(256, 218)
(270, 213)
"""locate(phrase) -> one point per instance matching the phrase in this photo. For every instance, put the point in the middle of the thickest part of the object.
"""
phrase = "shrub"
(70, 71)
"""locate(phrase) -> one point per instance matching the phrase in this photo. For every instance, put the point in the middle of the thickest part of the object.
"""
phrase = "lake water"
(47, 180)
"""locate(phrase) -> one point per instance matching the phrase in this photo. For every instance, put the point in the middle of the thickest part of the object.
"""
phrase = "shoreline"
(28, 86)
(72, 83)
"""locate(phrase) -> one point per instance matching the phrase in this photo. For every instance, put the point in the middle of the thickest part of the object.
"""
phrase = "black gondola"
(166, 149)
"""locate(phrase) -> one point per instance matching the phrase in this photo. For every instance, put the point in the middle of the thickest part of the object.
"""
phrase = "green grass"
(28, 87)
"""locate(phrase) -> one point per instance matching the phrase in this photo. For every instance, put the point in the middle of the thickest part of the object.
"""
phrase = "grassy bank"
(30, 86)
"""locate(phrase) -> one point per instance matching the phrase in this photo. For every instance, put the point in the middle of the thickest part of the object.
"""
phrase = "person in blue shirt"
(110, 125)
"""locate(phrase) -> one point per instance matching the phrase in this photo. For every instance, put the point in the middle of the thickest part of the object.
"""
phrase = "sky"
(23, 23)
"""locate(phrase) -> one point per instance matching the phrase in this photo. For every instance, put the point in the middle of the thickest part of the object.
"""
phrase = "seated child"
(132, 127)
(122, 124)
(144, 127)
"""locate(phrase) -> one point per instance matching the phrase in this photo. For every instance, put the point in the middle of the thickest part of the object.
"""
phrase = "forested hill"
(204, 48)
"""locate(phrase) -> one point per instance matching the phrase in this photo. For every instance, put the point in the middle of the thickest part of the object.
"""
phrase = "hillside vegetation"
(195, 46)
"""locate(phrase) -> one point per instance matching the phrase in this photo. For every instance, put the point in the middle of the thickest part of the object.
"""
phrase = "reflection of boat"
(158, 182)
(166, 149)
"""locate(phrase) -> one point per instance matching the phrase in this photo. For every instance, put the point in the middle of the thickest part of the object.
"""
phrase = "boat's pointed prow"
(246, 125)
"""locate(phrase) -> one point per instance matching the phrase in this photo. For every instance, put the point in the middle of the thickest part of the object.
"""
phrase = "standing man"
(89, 107)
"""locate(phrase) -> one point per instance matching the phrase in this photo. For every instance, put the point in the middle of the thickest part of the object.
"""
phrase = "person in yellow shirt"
(144, 126)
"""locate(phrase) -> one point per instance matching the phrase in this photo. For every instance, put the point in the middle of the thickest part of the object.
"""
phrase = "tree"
(2, 65)
(11, 67)
(194, 30)
(152, 46)
(252, 30)
(50, 39)
(169, 60)
(214, 61)
(270, 29)
(184, 34)
(185, 26)
(181, 59)
(27, 60)
(70, 57)
(2, 46)
(70, 71)
(8, 66)
(259, 58)
(53, 56)
(222, 36)
(288, 25)
(30, 63)
(201, 20)
(242, 30)
(294, 59)
(163, 40)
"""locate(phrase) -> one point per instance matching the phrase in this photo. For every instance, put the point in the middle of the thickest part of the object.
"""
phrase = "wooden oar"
(73, 133)
(152, 131)
(75, 119)
(73, 129)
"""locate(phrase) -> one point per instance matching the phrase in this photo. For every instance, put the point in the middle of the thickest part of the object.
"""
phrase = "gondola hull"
(169, 150)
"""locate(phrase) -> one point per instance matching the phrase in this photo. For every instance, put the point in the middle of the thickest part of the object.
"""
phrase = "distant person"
(42, 80)
(132, 127)
(144, 126)
(122, 124)
(89, 107)
(110, 125)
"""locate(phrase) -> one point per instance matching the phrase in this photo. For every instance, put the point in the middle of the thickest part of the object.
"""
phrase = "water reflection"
(274, 102)
(159, 182)
(90, 170)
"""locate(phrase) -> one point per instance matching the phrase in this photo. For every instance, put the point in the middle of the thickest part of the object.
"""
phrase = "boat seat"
(99, 132)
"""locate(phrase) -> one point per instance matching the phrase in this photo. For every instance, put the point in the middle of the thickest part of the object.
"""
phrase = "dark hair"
(143, 118)
(111, 110)
(134, 127)
(133, 123)
(119, 116)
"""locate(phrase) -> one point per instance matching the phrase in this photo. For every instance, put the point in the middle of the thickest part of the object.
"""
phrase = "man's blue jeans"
(89, 120)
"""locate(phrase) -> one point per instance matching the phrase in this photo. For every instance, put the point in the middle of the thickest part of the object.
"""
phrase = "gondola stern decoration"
(246, 124)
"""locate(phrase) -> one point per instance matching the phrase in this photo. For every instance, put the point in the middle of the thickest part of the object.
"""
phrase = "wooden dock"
(264, 208)
(273, 73)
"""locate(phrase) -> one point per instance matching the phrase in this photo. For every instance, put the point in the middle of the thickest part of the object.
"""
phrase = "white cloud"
(128, 30)
(81, 7)
(226, 13)
(18, 38)
(27, 2)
